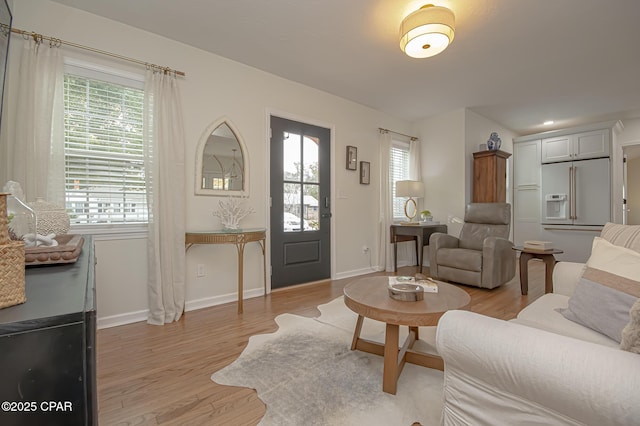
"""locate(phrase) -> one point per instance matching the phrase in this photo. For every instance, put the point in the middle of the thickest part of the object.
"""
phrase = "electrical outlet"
(365, 249)
(200, 271)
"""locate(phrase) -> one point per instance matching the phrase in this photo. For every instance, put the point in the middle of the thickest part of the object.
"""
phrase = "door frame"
(617, 155)
(302, 119)
(635, 144)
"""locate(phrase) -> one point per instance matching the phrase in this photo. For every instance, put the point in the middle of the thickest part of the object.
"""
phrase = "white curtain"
(164, 169)
(385, 254)
(34, 151)
(415, 169)
(414, 160)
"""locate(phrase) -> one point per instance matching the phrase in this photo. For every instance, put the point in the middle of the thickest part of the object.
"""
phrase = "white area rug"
(307, 374)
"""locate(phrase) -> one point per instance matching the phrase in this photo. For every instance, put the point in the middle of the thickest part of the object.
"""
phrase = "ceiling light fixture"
(548, 123)
(427, 31)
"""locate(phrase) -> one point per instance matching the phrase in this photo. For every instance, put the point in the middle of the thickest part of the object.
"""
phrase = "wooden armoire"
(490, 176)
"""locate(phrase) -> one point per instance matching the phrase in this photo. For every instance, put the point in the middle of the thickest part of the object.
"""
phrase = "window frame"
(80, 68)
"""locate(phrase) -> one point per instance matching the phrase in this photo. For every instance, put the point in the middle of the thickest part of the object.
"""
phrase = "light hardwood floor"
(160, 375)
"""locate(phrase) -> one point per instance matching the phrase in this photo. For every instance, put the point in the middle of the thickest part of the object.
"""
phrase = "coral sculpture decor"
(232, 211)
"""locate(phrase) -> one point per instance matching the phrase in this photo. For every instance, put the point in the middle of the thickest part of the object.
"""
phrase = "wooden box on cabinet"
(490, 176)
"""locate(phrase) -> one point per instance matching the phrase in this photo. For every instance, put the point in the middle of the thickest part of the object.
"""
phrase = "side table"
(369, 298)
(547, 256)
(239, 238)
(420, 233)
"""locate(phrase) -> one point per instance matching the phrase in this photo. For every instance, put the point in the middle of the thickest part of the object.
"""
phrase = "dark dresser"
(48, 347)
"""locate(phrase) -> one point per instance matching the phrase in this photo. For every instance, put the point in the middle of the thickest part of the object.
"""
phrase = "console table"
(418, 233)
(238, 237)
(48, 347)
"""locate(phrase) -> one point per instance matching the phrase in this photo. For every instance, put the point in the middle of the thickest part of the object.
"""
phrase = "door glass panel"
(292, 221)
(310, 152)
(301, 183)
(311, 212)
(291, 156)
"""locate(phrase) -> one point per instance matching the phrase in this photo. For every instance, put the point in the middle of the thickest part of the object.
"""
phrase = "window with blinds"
(104, 159)
(399, 165)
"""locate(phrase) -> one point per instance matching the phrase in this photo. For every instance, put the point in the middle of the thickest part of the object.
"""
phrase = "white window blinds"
(104, 161)
(399, 164)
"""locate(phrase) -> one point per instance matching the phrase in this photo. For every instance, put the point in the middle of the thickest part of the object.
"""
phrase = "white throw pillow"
(606, 291)
(615, 259)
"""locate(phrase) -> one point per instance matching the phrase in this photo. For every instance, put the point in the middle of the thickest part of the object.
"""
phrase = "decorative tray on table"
(67, 251)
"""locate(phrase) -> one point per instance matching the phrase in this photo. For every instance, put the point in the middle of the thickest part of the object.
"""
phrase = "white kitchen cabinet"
(526, 167)
(577, 146)
(526, 191)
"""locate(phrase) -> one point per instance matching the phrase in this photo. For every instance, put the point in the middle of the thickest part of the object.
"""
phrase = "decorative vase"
(12, 291)
(494, 142)
(22, 220)
(51, 218)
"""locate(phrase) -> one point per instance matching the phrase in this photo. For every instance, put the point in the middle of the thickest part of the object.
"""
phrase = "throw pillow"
(622, 235)
(631, 333)
(607, 289)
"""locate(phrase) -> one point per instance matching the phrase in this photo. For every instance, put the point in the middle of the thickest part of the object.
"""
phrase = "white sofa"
(538, 369)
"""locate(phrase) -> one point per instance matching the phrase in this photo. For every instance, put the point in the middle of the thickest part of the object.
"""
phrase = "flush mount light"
(427, 31)
(548, 123)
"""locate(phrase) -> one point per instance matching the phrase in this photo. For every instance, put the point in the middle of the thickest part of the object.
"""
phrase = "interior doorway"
(631, 184)
(300, 185)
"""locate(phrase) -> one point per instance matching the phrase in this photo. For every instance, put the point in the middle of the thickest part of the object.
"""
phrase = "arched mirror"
(222, 163)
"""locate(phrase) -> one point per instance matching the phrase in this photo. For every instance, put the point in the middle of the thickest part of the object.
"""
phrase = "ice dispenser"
(556, 206)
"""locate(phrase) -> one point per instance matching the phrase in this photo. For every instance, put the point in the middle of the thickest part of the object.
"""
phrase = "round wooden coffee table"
(369, 298)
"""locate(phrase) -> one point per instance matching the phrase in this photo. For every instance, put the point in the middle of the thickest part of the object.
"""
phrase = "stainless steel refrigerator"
(576, 193)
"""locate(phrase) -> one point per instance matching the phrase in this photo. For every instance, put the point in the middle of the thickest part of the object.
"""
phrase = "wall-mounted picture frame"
(352, 158)
(365, 172)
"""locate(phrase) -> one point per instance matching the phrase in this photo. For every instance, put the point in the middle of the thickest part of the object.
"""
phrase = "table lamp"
(411, 189)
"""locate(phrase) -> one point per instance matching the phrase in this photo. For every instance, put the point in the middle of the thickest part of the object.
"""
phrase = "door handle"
(325, 215)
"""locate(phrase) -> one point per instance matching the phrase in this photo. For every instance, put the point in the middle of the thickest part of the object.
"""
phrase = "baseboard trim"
(122, 319)
(208, 302)
(191, 305)
(356, 273)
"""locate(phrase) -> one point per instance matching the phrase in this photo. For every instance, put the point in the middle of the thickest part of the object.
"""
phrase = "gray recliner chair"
(482, 256)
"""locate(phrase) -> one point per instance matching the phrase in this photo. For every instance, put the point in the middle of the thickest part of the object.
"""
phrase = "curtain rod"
(56, 42)
(413, 138)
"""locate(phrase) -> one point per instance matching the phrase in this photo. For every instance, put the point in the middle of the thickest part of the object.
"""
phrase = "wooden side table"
(547, 256)
(369, 298)
(239, 238)
(419, 233)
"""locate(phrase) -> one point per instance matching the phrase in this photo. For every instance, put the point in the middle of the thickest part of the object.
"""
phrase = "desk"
(547, 256)
(238, 237)
(419, 233)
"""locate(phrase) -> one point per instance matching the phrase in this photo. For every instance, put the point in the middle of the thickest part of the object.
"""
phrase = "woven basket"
(12, 290)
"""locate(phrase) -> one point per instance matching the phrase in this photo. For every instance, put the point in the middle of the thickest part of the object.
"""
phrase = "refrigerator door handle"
(575, 193)
(570, 200)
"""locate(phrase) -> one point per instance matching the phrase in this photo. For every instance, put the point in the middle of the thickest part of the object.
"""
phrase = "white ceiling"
(517, 62)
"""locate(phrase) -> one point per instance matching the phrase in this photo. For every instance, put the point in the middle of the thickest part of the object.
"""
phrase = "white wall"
(215, 87)
(443, 166)
(448, 143)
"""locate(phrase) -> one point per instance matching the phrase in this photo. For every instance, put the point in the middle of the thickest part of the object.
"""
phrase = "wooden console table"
(238, 237)
(418, 233)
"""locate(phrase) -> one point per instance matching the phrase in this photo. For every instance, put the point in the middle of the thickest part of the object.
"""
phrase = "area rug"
(306, 374)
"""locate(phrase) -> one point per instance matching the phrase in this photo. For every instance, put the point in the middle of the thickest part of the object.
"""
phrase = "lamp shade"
(427, 31)
(409, 188)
